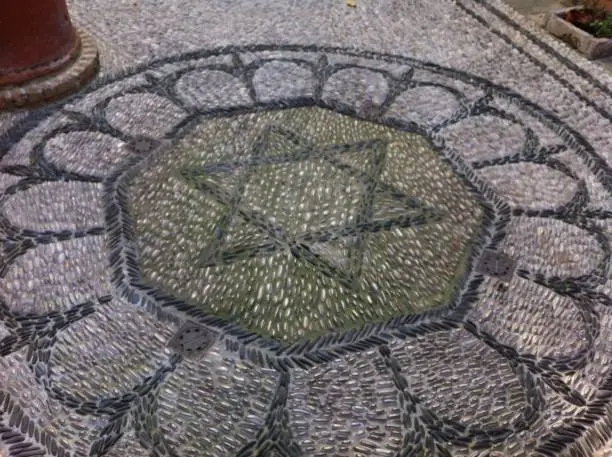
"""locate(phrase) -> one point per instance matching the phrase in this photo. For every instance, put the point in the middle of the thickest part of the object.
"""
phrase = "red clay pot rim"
(16, 77)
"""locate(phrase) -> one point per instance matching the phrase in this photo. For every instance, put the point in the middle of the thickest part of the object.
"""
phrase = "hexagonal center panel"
(293, 223)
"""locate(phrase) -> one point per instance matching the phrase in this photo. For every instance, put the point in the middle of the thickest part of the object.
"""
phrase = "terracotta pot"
(42, 56)
(36, 38)
(606, 5)
(603, 4)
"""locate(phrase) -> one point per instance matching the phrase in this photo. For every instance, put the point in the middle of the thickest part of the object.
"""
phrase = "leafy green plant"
(594, 17)
(602, 28)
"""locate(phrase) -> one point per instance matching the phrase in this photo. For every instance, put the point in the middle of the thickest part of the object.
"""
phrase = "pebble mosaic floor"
(307, 250)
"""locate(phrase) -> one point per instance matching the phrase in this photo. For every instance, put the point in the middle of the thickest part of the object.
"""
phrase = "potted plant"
(586, 27)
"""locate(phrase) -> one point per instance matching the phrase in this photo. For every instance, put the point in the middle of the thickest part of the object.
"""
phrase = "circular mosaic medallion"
(295, 251)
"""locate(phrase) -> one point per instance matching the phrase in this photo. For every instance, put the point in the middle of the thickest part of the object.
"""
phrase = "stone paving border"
(565, 58)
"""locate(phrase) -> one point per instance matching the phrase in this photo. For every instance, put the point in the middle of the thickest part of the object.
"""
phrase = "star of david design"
(404, 211)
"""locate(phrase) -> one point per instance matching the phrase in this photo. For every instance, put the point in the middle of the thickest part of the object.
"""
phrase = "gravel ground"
(307, 229)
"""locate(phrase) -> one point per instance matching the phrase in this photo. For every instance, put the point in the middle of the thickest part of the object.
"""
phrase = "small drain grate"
(142, 144)
(192, 340)
(370, 110)
(496, 264)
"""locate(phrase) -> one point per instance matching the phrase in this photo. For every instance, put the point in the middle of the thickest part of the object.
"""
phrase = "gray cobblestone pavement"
(303, 229)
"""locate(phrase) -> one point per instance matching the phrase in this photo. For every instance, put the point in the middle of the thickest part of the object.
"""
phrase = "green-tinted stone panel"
(293, 223)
